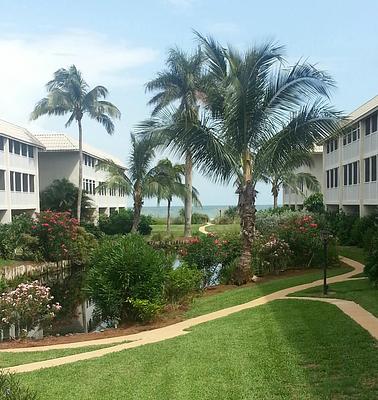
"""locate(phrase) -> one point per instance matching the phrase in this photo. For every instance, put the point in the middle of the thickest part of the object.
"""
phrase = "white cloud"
(29, 62)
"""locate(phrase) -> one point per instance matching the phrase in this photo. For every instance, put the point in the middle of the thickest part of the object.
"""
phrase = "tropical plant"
(284, 173)
(182, 83)
(62, 195)
(69, 93)
(170, 185)
(257, 111)
(12, 389)
(121, 222)
(314, 203)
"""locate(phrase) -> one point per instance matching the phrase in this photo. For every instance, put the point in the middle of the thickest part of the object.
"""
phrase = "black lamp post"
(325, 235)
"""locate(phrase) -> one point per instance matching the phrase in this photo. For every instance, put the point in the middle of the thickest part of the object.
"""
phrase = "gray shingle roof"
(61, 142)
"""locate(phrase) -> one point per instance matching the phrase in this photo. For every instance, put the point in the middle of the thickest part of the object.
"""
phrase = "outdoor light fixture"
(325, 236)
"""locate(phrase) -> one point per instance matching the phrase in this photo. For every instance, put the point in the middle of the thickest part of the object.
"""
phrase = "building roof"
(60, 142)
(366, 108)
(18, 133)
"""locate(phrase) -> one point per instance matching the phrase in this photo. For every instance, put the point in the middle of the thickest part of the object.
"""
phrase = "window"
(367, 126)
(2, 179)
(332, 178)
(367, 169)
(31, 183)
(336, 177)
(30, 151)
(345, 175)
(10, 146)
(2, 140)
(11, 177)
(374, 122)
(350, 174)
(24, 149)
(17, 180)
(25, 182)
(355, 172)
(328, 180)
(374, 168)
(16, 147)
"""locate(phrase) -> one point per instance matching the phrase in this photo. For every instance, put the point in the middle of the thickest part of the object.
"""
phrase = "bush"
(341, 226)
(28, 306)
(371, 267)
(314, 203)
(120, 223)
(126, 269)
(359, 229)
(11, 388)
(83, 247)
(181, 284)
(198, 218)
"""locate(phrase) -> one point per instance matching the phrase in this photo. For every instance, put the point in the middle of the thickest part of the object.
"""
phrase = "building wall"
(355, 195)
(58, 165)
(13, 202)
(289, 197)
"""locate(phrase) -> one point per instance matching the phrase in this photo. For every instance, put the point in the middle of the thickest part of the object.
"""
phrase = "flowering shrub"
(28, 306)
(270, 255)
(56, 232)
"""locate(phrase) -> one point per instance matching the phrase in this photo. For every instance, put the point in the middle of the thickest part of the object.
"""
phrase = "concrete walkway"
(353, 310)
(202, 228)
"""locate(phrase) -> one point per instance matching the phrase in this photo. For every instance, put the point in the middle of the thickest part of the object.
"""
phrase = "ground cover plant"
(276, 351)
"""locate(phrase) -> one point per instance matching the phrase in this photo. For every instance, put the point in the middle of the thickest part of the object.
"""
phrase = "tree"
(283, 173)
(62, 195)
(263, 110)
(170, 185)
(181, 82)
(69, 93)
(314, 203)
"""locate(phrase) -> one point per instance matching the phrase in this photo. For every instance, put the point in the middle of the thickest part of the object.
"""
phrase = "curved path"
(202, 228)
(353, 310)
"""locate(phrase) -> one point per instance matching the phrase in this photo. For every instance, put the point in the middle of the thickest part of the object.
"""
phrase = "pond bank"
(30, 268)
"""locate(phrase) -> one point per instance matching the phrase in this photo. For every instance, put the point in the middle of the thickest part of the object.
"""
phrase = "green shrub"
(341, 226)
(181, 284)
(143, 310)
(232, 213)
(229, 271)
(371, 267)
(120, 223)
(198, 218)
(3, 285)
(93, 229)
(126, 269)
(359, 229)
(314, 203)
(11, 388)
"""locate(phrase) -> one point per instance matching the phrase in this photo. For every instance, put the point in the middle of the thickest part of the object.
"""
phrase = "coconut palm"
(69, 93)
(181, 83)
(169, 185)
(286, 173)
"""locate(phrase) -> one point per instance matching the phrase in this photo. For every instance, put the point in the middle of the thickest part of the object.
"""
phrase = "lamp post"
(325, 235)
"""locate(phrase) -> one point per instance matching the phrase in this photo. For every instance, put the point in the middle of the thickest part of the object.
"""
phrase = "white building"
(350, 164)
(60, 159)
(294, 199)
(18, 171)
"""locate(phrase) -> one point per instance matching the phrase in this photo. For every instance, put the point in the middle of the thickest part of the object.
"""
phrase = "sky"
(122, 44)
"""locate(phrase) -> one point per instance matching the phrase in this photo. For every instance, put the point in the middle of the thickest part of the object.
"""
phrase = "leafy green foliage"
(121, 222)
(127, 277)
(61, 195)
(371, 268)
(314, 203)
(12, 389)
(181, 284)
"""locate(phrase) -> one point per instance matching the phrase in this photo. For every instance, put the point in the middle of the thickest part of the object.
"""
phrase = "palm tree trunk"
(188, 196)
(247, 196)
(169, 216)
(138, 203)
(80, 191)
(275, 192)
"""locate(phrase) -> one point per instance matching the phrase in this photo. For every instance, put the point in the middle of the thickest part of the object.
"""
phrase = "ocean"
(211, 211)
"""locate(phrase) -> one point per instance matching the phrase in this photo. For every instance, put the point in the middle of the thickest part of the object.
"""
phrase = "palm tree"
(180, 83)
(263, 110)
(69, 93)
(62, 195)
(284, 173)
(169, 185)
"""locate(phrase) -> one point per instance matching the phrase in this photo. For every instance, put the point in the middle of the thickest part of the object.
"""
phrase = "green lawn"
(176, 230)
(353, 252)
(359, 291)
(4, 263)
(11, 359)
(231, 228)
(287, 349)
(233, 297)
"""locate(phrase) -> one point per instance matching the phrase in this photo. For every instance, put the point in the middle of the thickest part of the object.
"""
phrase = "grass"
(8, 359)
(176, 230)
(284, 350)
(360, 291)
(233, 297)
(5, 263)
(353, 252)
(230, 228)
